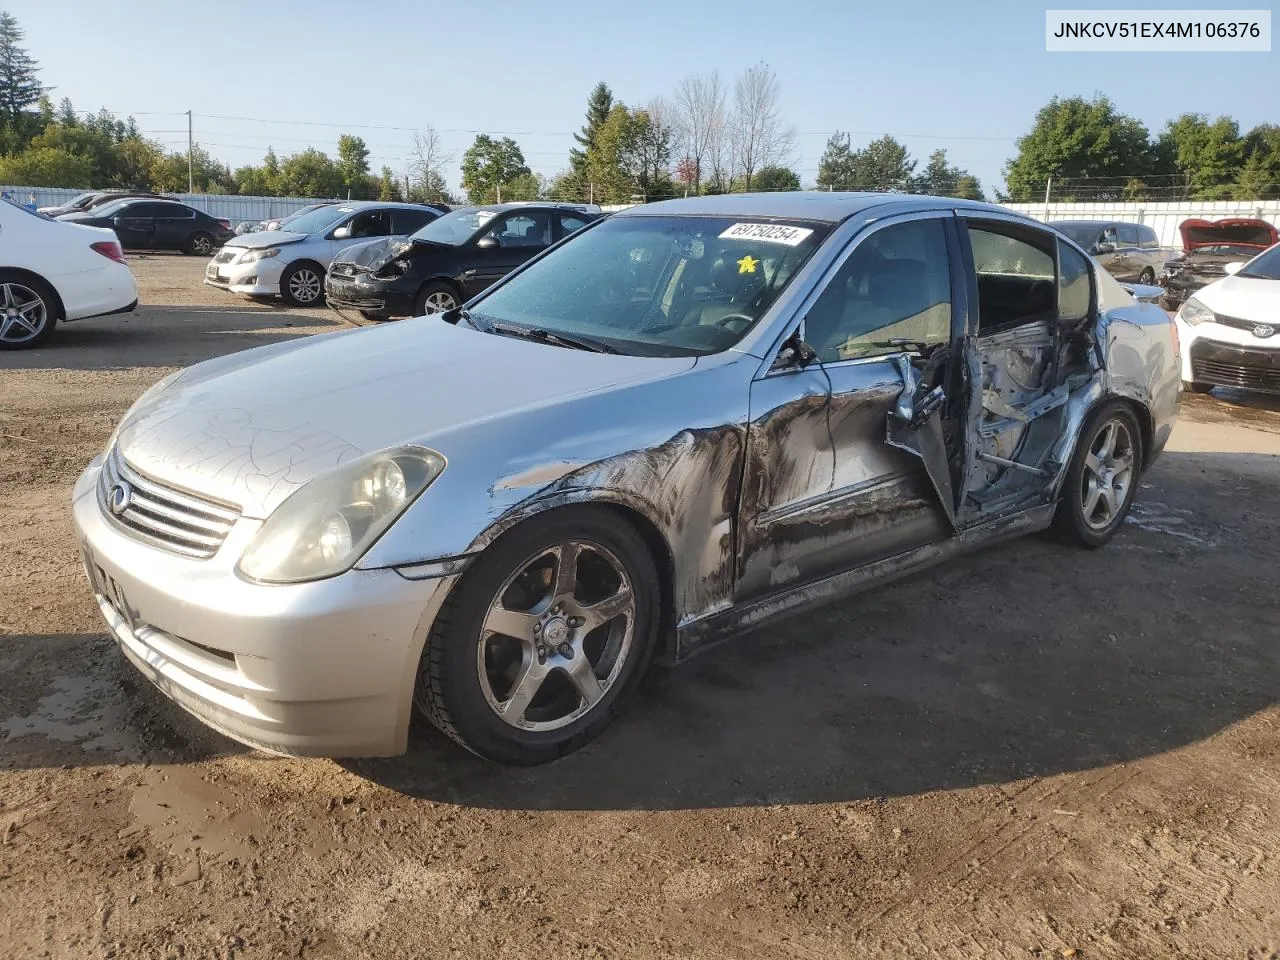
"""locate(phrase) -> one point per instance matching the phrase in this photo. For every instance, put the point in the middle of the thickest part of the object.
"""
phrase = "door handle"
(468, 273)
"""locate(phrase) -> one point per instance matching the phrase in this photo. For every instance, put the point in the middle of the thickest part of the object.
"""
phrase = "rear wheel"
(1102, 477)
(435, 297)
(200, 245)
(1148, 276)
(302, 284)
(540, 643)
(28, 311)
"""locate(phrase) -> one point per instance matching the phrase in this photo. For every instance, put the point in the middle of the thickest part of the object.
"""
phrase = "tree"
(169, 173)
(599, 104)
(760, 137)
(353, 165)
(1260, 176)
(884, 165)
(1088, 149)
(836, 167)
(46, 167)
(20, 89)
(700, 120)
(310, 173)
(489, 165)
(427, 167)
(776, 178)
(611, 165)
(389, 186)
(941, 179)
(1208, 157)
(263, 181)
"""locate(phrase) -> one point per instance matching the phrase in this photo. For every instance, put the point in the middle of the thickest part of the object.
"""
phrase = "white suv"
(51, 271)
(292, 263)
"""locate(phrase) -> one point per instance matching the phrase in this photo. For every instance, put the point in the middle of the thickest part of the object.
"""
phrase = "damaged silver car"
(672, 426)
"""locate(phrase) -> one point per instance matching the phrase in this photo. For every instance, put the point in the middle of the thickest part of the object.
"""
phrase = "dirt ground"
(1030, 752)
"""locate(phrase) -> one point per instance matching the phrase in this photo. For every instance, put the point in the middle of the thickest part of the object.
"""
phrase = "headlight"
(328, 524)
(389, 271)
(1194, 312)
(253, 256)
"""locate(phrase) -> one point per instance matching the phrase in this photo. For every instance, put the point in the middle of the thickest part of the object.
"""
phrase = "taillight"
(226, 224)
(109, 249)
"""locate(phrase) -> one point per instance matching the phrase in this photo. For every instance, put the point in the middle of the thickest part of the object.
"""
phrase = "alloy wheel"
(201, 245)
(556, 636)
(24, 313)
(305, 286)
(439, 302)
(1108, 474)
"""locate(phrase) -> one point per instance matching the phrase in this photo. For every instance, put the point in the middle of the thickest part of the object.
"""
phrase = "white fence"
(233, 208)
(1161, 217)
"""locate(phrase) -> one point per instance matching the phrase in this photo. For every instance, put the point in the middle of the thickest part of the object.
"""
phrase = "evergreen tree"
(598, 106)
(19, 87)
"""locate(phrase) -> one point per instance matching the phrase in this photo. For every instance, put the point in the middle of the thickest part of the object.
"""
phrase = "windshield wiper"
(556, 339)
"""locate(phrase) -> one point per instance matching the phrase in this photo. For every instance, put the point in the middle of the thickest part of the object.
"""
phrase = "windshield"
(1265, 266)
(455, 229)
(317, 221)
(658, 286)
(1085, 234)
(79, 201)
(301, 212)
(109, 209)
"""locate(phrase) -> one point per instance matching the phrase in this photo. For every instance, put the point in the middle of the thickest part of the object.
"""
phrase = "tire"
(435, 297)
(1084, 517)
(302, 284)
(200, 244)
(1148, 276)
(490, 691)
(28, 311)
(1196, 386)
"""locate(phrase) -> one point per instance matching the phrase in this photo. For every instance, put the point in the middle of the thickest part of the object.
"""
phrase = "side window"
(1015, 275)
(1074, 289)
(1128, 233)
(531, 229)
(143, 210)
(570, 223)
(173, 211)
(895, 285)
(1148, 236)
(404, 222)
(371, 223)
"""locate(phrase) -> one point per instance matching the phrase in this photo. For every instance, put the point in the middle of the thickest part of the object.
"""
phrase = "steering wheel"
(730, 318)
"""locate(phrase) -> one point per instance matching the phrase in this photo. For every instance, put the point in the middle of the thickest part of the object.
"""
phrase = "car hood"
(1242, 230)
(1248, 298)
(252, 427)
(375, 253)
(265, 238)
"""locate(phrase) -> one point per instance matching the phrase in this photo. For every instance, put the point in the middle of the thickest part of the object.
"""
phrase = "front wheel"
(1148, 276)
(27, 311)
(302, 284)
(539, 644)
(1102, 478)
(435, 298)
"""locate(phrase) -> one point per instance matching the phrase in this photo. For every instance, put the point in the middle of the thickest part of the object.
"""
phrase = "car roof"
(531, 205)
(378, 204)
(801, 205)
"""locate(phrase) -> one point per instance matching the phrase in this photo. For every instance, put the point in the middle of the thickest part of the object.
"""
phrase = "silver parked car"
(675, 424)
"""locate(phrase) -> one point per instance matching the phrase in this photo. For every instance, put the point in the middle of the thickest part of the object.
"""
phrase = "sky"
(291, 74)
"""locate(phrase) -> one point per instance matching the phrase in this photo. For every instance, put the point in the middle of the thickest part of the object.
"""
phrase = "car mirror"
(795, 353)
(1231, 269)
(488, 242)
(1104, 247)
(342, 233)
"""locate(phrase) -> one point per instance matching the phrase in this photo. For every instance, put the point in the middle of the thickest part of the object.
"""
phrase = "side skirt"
(696, 636)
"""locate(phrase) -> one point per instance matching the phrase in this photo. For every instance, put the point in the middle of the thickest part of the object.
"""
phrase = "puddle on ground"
(89, 711)
(181, 810)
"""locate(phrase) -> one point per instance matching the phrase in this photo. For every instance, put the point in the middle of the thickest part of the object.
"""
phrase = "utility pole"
(1048, 185)
(191, 177)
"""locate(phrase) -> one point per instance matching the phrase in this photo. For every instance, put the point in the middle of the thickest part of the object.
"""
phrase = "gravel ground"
(1032, 752)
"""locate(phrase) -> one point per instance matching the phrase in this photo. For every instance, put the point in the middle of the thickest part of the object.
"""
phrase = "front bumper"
(258, 279)
(1228, 365)
(362, 292)
(314, 669)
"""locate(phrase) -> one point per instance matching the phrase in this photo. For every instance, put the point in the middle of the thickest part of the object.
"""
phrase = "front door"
(824, 490)
(515, 238)
(136, 226)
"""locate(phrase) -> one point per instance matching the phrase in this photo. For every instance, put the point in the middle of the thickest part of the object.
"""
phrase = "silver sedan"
(684, 420)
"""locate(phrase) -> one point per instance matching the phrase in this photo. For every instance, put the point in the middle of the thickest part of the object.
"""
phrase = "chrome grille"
(162, 515)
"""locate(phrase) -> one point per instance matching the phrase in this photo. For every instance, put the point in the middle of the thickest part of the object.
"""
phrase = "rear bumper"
(1225, 365)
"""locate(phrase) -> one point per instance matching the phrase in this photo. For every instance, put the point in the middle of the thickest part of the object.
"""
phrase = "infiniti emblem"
(1263, 330)
(119, 497)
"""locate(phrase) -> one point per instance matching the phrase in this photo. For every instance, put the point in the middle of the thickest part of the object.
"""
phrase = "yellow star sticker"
(747, 264)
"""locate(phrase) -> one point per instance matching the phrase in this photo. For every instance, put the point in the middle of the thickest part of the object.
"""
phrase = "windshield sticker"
(767, 232)
(747, 264)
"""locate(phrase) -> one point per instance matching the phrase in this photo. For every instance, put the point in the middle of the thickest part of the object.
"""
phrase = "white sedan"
(1230, 330)
(51, 271)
